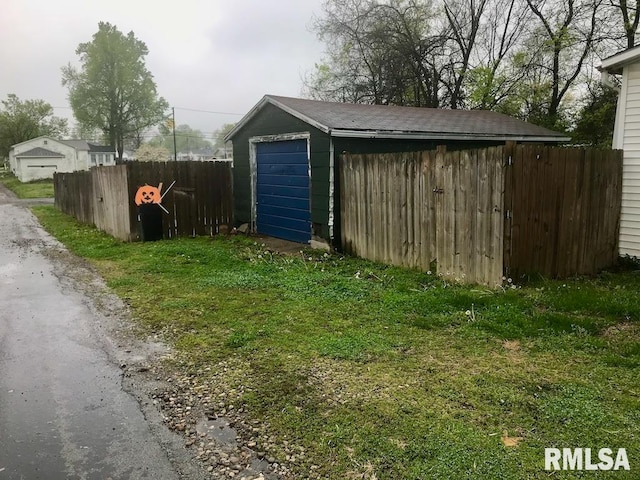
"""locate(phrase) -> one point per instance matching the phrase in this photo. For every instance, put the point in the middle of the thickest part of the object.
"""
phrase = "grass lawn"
(388, 373)
(35, 189)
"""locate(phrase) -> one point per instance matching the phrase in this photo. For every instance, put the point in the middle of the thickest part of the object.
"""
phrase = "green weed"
(388, 373)
(34, 189)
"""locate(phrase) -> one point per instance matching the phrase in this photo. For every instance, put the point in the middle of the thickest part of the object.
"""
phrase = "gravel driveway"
(65, 412)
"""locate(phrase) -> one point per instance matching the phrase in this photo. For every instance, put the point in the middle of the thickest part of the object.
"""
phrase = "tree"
(527, 58)
(219, 134)
(417, 63)
(150, 153)
(429, 53)
(595, 120)
(630, 12)
(352, 71)
(187, 138)
(113, 90)
(493, 80)
(23, 120)
(381, 53)
(564, 39)
(91, 134)
(464, 18)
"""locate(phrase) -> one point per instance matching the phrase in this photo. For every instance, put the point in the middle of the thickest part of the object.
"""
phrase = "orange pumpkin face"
(148, 194)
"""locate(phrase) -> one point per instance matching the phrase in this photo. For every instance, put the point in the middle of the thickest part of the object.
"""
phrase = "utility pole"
(175, 146)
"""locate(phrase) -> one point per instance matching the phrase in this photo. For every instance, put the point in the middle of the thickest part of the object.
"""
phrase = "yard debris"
(511, 345)
(399, 443)
(471, 314)
(510, 441)
(628, 329)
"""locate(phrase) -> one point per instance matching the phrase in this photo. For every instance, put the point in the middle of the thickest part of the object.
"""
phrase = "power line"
(182, 108)
(209, 111)
(178, 134)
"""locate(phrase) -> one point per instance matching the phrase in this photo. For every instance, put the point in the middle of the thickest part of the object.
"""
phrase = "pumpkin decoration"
(148, 194)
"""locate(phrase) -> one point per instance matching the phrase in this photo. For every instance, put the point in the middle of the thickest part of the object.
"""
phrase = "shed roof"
(615, 62)
(387, 121)
(39, 152)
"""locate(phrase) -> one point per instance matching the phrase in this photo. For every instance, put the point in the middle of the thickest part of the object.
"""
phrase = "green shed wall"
(271, 120)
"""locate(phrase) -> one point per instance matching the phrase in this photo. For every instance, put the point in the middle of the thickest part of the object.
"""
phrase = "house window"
(45, 142)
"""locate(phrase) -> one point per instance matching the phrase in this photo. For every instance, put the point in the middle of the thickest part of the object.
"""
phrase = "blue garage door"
(283, 208)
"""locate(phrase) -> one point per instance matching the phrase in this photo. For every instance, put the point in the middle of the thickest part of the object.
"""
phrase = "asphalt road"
(64, 413)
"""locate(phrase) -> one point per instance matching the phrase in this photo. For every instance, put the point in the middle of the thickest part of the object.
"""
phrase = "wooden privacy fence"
(199, 201)
(476, 215)
(563, 206)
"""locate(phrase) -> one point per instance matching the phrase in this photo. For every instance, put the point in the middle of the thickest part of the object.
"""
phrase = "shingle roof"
(77, 144)
(385, 121)
(100, 148)
(40, 152)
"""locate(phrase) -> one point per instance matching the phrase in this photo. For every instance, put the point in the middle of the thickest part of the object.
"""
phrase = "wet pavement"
(63, 411)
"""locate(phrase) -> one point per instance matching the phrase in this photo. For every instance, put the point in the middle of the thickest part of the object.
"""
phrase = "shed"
(287, 151)
(626, 136)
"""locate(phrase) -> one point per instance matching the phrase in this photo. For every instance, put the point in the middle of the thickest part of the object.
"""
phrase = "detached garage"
(287, 151)
(37, 163)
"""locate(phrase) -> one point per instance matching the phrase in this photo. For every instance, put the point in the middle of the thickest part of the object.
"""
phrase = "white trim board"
(253, 165)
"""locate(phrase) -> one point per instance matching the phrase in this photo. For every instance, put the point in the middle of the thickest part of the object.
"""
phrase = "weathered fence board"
(425, 210)
(199, 202)
(565, 209)
(111, 201)
(477, 215)
(74, 195)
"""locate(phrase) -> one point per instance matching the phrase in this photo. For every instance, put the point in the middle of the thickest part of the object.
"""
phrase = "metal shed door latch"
(438, 190)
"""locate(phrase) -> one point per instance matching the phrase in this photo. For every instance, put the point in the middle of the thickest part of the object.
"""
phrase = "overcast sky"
(214, 55)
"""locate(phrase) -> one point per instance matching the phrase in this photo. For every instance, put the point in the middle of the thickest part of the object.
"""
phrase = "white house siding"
(33, 168)
(628, 138)
(82, 160)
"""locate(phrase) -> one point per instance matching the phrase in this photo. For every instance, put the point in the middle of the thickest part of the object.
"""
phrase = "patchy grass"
(388, 373)
(35, 189)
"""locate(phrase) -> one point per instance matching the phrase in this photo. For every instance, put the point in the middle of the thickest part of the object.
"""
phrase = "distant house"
(196, 155)
(100, 155)
(626, 136)
(206, 154)
(286, 154)
(223, 153)
(43, 156)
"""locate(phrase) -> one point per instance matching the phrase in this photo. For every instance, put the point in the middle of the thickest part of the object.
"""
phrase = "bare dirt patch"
(626, 329)
(511, 345)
